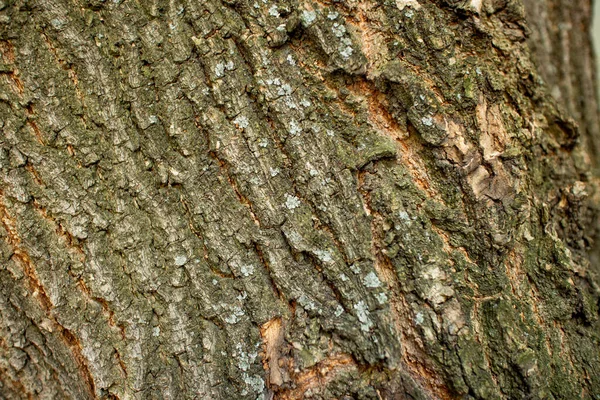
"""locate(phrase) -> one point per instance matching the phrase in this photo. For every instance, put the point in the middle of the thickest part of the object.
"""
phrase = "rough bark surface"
(296, 199)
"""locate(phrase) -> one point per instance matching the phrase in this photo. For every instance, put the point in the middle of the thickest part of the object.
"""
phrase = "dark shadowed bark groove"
(292, 199)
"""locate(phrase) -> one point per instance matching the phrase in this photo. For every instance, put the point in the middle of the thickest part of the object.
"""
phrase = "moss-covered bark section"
(289, 200)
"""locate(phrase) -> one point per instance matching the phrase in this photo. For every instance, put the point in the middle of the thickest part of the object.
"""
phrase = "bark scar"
(272, 333)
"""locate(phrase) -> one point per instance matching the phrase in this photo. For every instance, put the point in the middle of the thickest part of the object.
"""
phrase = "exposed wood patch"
(272, 333)
(317, 376)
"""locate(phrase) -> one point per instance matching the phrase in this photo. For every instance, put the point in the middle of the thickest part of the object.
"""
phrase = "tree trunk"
(290, 199)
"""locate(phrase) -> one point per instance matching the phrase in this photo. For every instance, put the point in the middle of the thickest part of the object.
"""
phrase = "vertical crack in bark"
(386, 125)
(280, 295)
(70, 71)
(72, 244)
(224, 168)
(413, 356)
(39, 293)
(8, 54)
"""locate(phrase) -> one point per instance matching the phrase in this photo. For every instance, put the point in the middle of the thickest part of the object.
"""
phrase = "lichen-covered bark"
(292, 199)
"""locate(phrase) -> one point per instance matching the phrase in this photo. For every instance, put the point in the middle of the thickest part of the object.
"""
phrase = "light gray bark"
(291, 199)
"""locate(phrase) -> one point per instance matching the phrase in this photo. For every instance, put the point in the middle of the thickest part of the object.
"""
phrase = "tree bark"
(291, 199)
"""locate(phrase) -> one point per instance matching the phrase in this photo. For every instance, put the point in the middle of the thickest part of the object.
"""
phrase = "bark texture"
(294, 199)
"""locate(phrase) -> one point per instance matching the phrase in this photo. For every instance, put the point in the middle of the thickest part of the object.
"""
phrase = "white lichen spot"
(232, 319)
(330, 133)
(478, 71)
(308, 17)
(291, 60)
(427, 121)
(307, 303)
(255, 382)
(284, 90)
(241, 122)
(274, 171)
(220, 70)
(247, 270)
(291, 202)
(215, 282)
(451, 61)
(245, 360)
(153, 119)
(305, 103)
(343, 277)
(324, 255)
(294, 128)
(242, 296)
(155, 331)
(355, 268)
(362, 312)
(180, 260)
(332, 15)
(419, 318)
(273, 11)
(409, 13)
(264, 142)
(290, 103)
(238, 311)
(313, 172)
(338, 30)
(230, 65)
(371, 280)
(347, 52)
(57, 23)
(404, 215)
(381, 298)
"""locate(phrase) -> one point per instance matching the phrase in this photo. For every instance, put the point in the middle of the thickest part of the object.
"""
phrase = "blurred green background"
(596, 38)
